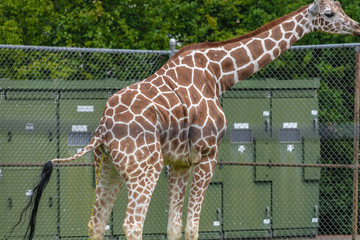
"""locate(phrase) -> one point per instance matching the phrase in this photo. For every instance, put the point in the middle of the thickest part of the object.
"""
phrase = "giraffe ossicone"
(174, 117)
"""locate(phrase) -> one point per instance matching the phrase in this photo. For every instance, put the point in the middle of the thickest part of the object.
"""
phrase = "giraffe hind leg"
(140, 186)
(202, 174)
(178, 180)
(108, 183)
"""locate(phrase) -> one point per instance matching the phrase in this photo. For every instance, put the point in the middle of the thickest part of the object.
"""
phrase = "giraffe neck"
(236, 61)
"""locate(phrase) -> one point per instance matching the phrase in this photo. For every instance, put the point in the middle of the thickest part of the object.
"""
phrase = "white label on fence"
(315, 220)
(107, 227)
(290, 147)
(79, 128)
(241, 125)
(216, 223)
(29, 193)
(85, 108)
(241, 148)
(29, 127)
(314, 112)
(267, 221)
(290, 125)
(266, 113)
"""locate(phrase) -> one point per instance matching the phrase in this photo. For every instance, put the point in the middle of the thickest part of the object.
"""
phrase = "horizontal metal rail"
(104, 50)
(288, 165)
(255, 164)
(42, 164)
(324, 46)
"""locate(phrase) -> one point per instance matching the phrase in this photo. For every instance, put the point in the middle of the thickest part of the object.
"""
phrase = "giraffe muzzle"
(356, 32)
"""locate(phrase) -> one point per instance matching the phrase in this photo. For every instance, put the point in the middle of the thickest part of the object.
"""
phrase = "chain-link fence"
(285, 167)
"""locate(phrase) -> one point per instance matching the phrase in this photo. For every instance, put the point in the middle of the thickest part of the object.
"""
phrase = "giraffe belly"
(186, 158)
(181, 162)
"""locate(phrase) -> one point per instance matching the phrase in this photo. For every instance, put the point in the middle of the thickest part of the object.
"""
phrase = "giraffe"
(174, 118)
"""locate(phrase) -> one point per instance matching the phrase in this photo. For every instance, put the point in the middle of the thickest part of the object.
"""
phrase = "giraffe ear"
(338, 4)
(314, 7)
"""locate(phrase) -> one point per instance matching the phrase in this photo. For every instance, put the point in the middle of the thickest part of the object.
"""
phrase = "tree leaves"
(140, 24)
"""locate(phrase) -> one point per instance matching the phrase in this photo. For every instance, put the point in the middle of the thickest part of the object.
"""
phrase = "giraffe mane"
(264, 28)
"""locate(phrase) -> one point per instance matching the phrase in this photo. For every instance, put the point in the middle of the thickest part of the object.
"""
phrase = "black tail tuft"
(35, 200)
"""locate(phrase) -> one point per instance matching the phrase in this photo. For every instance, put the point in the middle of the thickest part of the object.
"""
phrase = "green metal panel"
(251, 109)
(295, 201)
(265, 153)
(33, 131)
(15, 188)
(312, 156)
(279, 102)
(78, 121)
(86, 94)
(156, 218)
(304, 112)
(60, 84)
(273, 84)
(80, 114)
(77, 194)
(211, 213)
(246, 215)
(27, 94)
(294, 110)
(247, 204)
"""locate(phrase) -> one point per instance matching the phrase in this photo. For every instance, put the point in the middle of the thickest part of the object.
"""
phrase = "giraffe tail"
(34, 201)
(94, 143)
(45, 176)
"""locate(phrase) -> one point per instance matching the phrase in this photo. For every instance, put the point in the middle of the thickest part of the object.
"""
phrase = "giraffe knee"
(96, 237)
(96, 231)
(132, 233)
(174, 232)
(191, 236)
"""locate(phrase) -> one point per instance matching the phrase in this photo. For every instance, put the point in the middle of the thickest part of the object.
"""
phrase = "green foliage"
(135, 24)
(336, 189)
(25, 22)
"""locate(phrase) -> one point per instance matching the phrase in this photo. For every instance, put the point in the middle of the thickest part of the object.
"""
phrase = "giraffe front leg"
(202, 174)
(178, 179)
(108, 184)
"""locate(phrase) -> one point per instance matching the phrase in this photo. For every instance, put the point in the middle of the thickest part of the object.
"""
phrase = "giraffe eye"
(329, 14)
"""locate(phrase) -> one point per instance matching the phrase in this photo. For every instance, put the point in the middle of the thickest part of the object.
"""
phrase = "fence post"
(172, 44)
(356, 146)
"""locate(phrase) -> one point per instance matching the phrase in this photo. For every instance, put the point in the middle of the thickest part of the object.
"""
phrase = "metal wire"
(285, 166)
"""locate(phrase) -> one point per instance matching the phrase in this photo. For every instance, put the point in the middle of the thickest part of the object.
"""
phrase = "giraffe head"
(328, 16)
